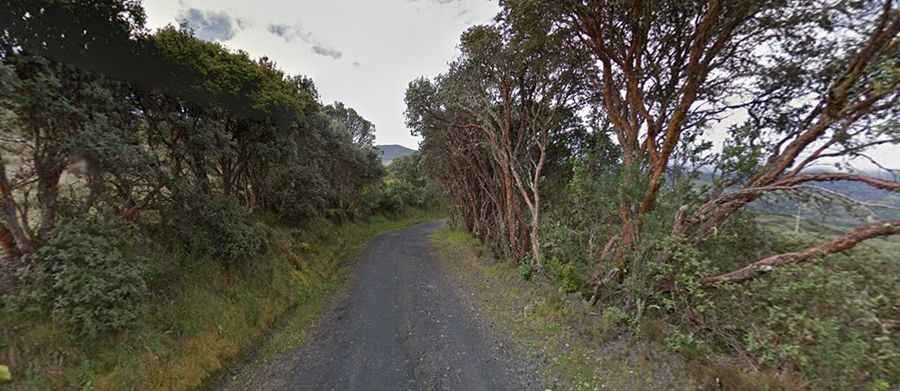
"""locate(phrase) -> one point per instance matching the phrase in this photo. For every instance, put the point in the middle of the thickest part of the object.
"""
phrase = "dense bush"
(397, 196)
(179, 125)
(86, 277)
(219, 228)
(183, 137)
(829, 322)
(298, 195)
(406, 186)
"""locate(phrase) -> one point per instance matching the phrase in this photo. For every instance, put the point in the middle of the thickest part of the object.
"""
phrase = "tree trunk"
(535, 238)
(8, 243)
(11, 214)
(48, 197)
(510, 213)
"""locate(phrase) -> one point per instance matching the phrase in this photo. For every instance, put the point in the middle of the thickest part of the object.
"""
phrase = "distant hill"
(390, 152)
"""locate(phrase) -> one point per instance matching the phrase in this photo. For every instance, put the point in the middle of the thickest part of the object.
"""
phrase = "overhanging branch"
(842, 243)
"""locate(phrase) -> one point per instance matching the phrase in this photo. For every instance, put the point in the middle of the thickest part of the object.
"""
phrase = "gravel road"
(401, 327)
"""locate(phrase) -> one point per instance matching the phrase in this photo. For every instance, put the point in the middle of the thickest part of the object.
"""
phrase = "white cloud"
(327, 52)
(210, 25)
(291, 32)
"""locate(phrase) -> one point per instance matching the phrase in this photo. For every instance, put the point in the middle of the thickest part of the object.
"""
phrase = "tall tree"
(817, 79)
(517, 95)
(346, 120)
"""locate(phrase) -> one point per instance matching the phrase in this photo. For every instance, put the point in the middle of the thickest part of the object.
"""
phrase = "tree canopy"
(574, 137)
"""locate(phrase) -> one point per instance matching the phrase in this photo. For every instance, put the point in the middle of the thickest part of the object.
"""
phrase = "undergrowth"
(202, 316)
(828, 324)
(582, 348)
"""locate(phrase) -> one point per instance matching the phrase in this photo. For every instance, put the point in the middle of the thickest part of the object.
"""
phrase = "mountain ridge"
(389, 152)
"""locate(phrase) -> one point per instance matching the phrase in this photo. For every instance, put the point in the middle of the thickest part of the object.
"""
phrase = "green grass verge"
(591, 349)
(582, 350)
(200, 319)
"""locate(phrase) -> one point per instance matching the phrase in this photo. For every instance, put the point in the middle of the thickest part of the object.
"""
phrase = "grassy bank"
(601, 348)
(202, 317)
(581, 349)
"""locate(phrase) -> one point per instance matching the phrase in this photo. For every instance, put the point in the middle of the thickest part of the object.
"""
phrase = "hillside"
(390, 152)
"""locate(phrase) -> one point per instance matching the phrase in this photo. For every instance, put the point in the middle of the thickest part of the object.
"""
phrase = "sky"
(360, 52)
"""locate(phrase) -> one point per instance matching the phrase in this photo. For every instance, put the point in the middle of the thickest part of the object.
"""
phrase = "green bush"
(565, 275)
(396, 197)
(684, 272)
(86, 278)
(823, 322)
(298, 195)
(406, 186)
(612, 318)
(220, 228)
(525, 270)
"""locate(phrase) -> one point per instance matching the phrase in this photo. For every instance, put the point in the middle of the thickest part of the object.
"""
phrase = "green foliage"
(200, 317)
(395, 196)
(565, 275)
(219, 228)
(645, 222)
(348, 123)
(188, 141)
(824, 323)
(299, 194)
(684, 272)
(526, 271)
(87, 278)
(686, 343)
(613, 317)
(407, 186)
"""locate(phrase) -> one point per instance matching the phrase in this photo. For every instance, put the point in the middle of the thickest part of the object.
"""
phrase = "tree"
(457, 159)
(817, 79)
(516, 95)
(163, 118)
(345, 120)
(84, 34)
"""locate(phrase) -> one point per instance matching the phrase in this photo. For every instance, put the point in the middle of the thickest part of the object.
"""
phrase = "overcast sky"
(361, 52)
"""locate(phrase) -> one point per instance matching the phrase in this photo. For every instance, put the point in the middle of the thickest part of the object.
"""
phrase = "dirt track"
(402, 327)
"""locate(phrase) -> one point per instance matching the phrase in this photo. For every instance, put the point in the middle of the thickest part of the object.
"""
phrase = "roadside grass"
(200, 319)
(582, 350)
(588, 348)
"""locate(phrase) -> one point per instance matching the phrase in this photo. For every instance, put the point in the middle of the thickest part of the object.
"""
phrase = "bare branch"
(843, 243)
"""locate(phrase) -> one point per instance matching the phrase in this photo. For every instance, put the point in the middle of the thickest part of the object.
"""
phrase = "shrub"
(684, 272)
(612, 318)
(86, 278)
(298, 194)
(822, 322)
(525, 270)
(395, 197)
(218, 227)
(565, 275)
